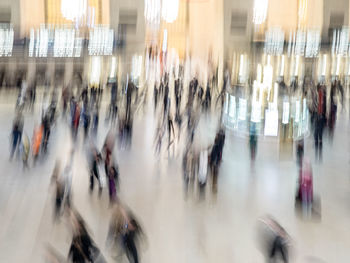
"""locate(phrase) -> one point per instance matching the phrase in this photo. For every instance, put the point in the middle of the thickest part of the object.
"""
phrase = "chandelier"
(152, 11)
(167, 9)
(73, 9)
(260, 11)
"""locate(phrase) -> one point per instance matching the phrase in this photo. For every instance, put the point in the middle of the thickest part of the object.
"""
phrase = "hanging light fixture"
(170, 10)
(73, 9)
(152, 11)
(260, 11)
(167, 9)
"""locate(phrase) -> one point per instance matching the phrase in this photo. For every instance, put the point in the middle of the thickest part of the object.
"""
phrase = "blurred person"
(37, 140)
(166, 100)
(207, 99)
(22, 95)
(65, 97)
(59, 194)
(99, 93)
(75, 119)
(113, 182)
(253, 140)
(128, 130)
(300, 151)
(125, 230)
(200, 94)
(161, 89)
(190, 167)
(171, 133)
(67, 178)
(95, 120)
(155, 96)
(333, 108)
(107, 149)
(84, 96)
(341, 90)
(56, 171)
(86, 120)
(45, 103)
(32, 96)
(113, 108)
(46, 123)
(82, 249)
(131, 89)
(277, 242)
(95, 159)
(178, 122)
(305, 187)
(159, 134)
(60, 182)
(16, 134)
(320, 120)
(177, 92)
(216, 157)
(93, 96)
(52, 108)
(25, 150)
(114, 92)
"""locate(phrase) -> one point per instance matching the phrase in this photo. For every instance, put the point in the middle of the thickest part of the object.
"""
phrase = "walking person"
(86, 120)
(113, 183)
(320, 120)
(95, 159)
(155, 97)
(216, 158)
(36, 141)
(253, 141)
(125, 230)
(16, 134)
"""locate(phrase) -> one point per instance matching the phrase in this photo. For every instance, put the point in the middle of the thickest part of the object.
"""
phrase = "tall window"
(73, 12)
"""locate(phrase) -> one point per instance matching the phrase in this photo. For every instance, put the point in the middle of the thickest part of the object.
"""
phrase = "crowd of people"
(177, 116)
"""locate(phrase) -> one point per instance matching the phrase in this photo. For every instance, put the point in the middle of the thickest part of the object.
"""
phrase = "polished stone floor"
(221, 228)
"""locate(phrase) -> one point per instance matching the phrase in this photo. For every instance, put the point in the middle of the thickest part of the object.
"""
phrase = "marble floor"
(221, 228)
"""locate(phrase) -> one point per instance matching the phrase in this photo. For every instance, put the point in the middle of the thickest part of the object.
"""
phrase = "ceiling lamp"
(260, 11)
(170, 10)
(152, 11)
(73, 9)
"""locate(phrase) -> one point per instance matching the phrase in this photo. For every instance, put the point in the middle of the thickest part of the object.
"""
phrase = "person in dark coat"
(16, 134)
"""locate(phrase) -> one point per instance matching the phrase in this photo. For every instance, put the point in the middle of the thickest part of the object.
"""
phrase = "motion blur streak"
(174, 131)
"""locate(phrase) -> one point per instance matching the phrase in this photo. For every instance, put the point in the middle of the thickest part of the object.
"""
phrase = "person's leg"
(273, 248)
(91, 180)
(58, 207)
(320, 142)
(96, 174)
(316, 142)
(284, 253)
(132, 250)
(14, 144)
(215, 179)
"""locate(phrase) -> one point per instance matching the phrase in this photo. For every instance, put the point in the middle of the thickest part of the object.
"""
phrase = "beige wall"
(12, 6)
(206, 30)
(315, 14)
(32, 15)
(282, 13)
